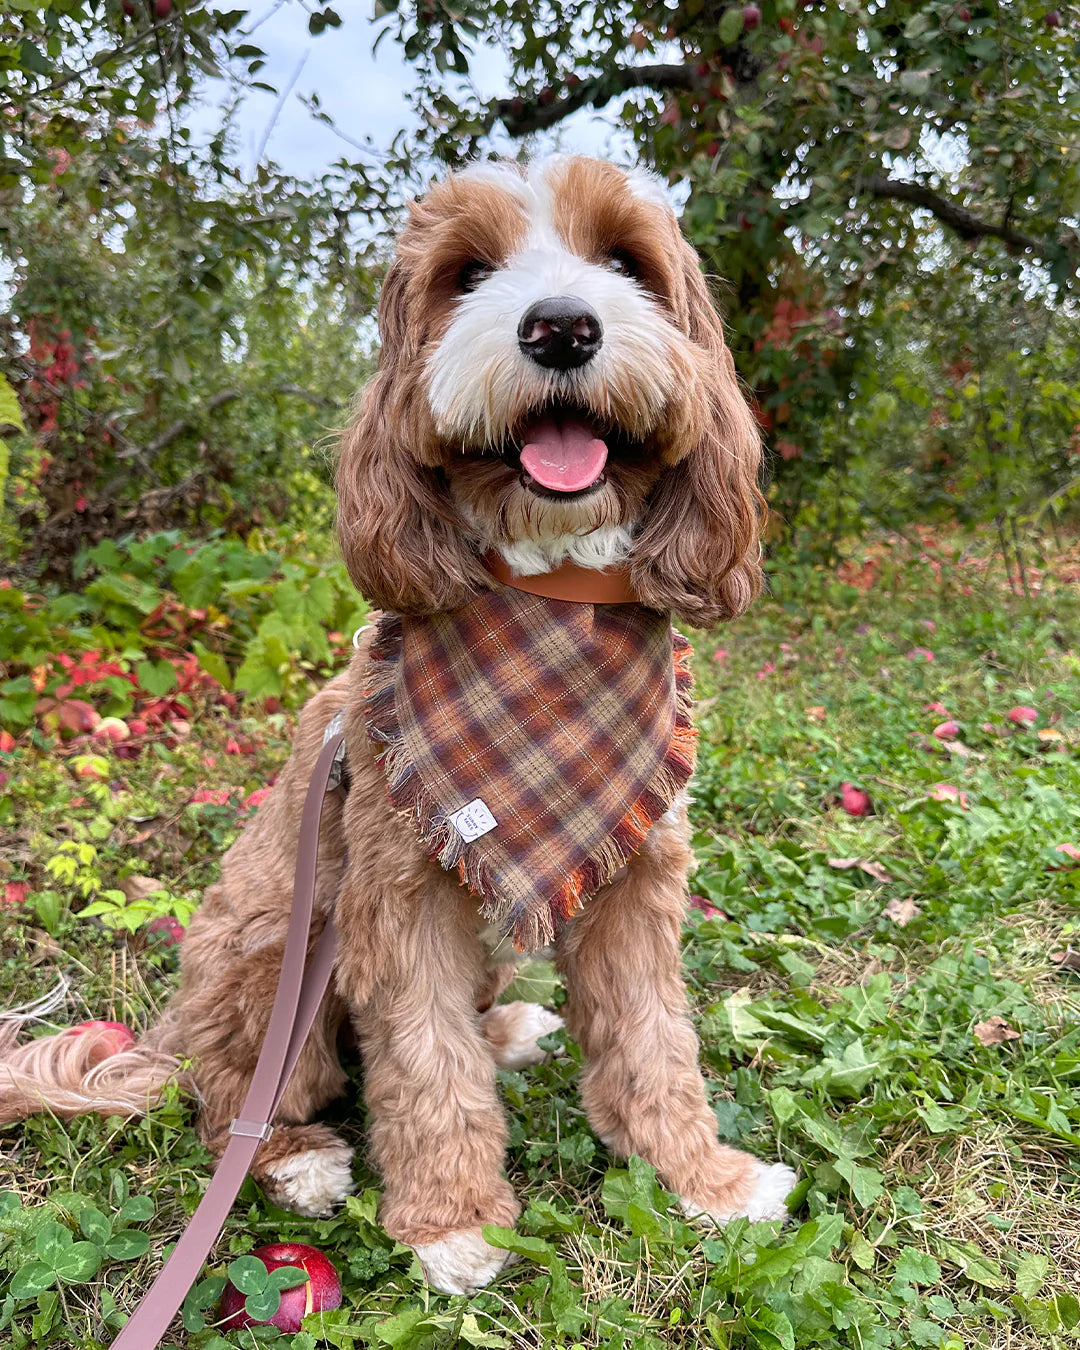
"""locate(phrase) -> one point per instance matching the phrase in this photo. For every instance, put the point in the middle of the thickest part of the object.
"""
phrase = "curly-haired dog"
(553, 387)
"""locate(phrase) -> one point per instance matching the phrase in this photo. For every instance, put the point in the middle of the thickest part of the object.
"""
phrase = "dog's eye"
(622, 263)
(473, 273)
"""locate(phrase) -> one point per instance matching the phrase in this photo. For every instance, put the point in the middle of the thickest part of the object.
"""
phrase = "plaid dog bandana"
(533, 744)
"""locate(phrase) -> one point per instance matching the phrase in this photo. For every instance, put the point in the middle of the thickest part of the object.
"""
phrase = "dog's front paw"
(772, 1184)
(313, 1182)
(512, 1031)
(460, 1263)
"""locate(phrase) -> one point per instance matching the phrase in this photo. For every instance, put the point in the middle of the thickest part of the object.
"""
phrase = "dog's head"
(553, 382)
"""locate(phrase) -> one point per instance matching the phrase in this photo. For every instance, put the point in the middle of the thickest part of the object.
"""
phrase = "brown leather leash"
(300, 990)
(299, 993)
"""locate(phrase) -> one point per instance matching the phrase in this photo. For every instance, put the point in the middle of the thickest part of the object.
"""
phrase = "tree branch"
(520, 118)
(966, 224)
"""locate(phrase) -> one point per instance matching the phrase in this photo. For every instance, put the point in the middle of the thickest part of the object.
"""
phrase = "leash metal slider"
(334, 727)
(252, 1129)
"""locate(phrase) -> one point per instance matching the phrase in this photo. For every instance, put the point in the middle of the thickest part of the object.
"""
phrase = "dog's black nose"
(560, 333)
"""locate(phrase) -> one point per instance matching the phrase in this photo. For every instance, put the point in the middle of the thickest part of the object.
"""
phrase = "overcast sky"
(365, 95)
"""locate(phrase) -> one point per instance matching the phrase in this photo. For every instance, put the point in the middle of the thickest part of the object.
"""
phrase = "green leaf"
(138, 1209)
(213, 663)
(53, 1240)
(286, 1277)
(95, 1225)
(79, 1262)
(770, 1330)
(32, 1279)
(263, 1304)
(1031, 1274)
(248, 1274)
(156, 677)
(915, 1267)
(731, 25)
(509, 1240)
(128, 1244)
(10, 412)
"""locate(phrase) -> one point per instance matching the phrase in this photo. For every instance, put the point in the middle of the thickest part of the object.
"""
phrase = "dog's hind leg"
(626, 1005)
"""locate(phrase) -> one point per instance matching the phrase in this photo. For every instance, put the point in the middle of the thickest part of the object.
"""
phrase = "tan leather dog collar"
(584, 585)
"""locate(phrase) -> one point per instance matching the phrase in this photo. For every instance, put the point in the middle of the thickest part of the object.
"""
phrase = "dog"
(519, 298)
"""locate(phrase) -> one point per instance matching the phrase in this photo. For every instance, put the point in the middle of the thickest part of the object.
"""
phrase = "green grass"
(940, 1204)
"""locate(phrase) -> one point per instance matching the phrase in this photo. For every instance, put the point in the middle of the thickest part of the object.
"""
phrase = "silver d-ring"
(356, 635)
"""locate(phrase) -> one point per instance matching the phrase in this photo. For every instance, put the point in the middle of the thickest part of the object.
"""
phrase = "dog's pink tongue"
(563, 456)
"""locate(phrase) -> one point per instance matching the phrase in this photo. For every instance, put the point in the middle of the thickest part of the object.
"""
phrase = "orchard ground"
(887, 1000)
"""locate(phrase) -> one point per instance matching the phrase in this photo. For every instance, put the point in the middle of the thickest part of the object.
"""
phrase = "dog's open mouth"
(561, 451)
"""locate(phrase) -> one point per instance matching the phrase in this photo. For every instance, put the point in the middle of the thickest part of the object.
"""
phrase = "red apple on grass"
(320, 1292)
(1023, 717)
(168, 931)
(854, 800)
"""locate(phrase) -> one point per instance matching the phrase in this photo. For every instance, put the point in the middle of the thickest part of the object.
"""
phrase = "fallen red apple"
(166, 929)
(321, 1292)
(947, 731)
(111, 729)
(1022, 716)
(854, 800)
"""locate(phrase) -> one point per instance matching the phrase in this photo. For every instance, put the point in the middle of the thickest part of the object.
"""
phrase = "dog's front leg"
(437, 1133)
(627, 1007)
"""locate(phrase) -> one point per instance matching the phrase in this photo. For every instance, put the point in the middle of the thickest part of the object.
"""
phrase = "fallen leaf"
(1048, 734)
(1066, 960)
(945, 792)
(994, 1031)
(960, 750)
(816, 713)
(874, 869)
(901, 912)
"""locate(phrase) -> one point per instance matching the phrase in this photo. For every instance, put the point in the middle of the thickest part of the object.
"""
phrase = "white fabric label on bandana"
(473, 820)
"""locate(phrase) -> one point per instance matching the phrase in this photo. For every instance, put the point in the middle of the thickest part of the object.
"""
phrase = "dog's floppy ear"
(397, 528)
(698, 551)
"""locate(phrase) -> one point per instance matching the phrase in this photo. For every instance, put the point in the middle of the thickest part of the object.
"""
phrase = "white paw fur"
(461, 1263)
(513, 1029)
(315, 1182)
(774, 1184)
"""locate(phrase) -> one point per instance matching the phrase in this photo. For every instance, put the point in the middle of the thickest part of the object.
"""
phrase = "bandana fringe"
(442, 843)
